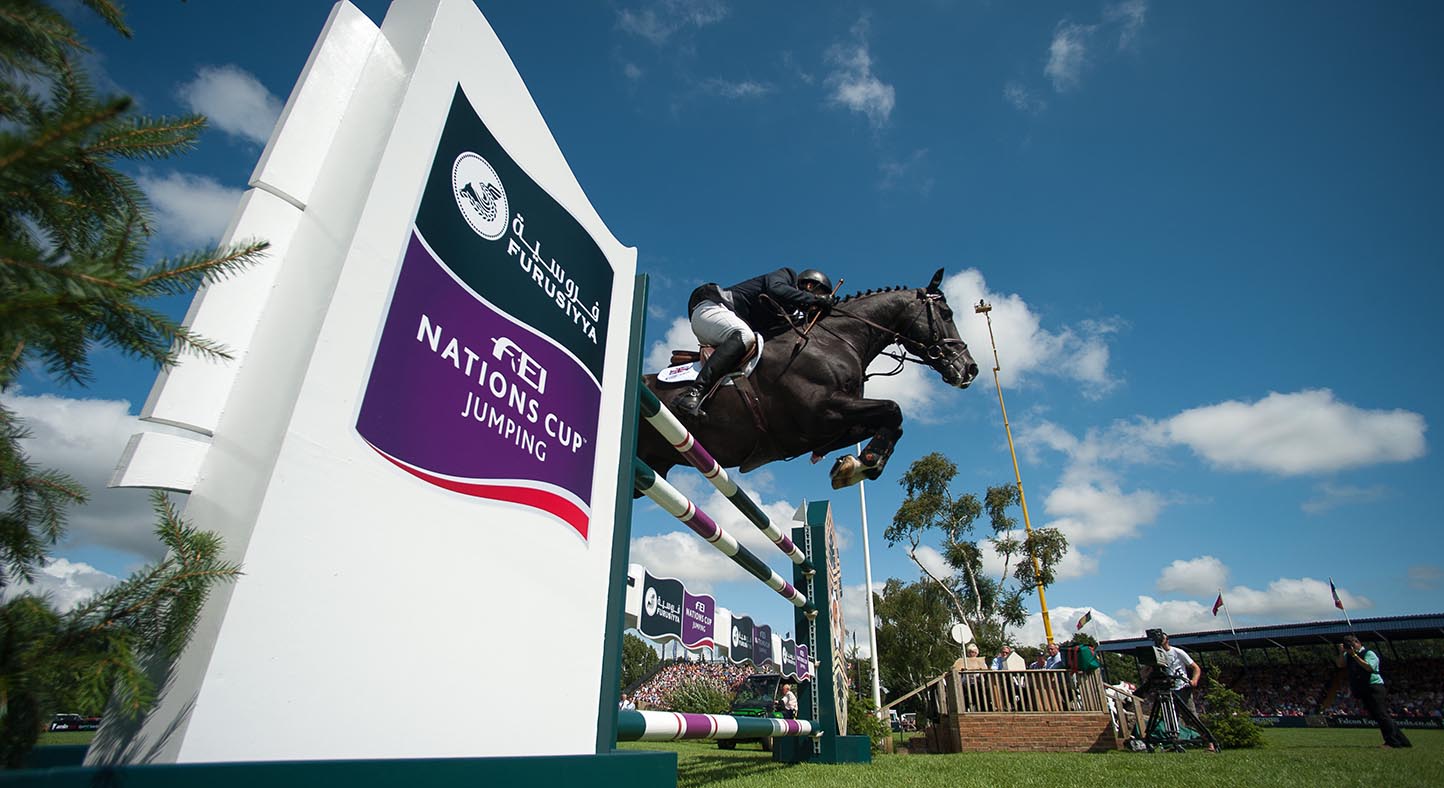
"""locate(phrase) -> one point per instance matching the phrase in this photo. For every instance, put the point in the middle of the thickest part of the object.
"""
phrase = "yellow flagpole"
(985, 309)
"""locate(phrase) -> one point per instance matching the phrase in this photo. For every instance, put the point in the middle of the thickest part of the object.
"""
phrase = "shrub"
(862, 721)
(1226, 716)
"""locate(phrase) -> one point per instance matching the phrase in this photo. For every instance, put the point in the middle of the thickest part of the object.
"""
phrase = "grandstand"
(1287, 675)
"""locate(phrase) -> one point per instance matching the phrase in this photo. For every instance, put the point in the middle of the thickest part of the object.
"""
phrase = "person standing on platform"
(789, 703)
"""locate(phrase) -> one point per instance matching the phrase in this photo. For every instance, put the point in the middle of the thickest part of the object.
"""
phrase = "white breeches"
(713, 323)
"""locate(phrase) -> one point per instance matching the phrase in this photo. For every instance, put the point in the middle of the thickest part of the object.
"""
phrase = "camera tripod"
(1164, 730)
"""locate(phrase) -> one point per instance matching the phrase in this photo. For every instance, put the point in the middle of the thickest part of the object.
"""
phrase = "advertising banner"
(699, 612)
(762, 645)
(742, 643)
(486, 376)
(661, 607)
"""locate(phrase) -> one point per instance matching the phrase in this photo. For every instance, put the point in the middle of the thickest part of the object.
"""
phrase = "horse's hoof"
(847, 471)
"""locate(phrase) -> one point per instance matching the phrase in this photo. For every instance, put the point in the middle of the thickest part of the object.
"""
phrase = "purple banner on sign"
(762, 645)
(472, 401)
(804, 662)
(698, 613)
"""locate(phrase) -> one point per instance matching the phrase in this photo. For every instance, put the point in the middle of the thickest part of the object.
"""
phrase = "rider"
(727, 318)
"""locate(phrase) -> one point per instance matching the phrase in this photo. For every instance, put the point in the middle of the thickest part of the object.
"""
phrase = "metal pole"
(871, 616)
(985, 309)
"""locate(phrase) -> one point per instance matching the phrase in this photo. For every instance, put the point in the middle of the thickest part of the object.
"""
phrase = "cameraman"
(1367, 687)
(1185, 672)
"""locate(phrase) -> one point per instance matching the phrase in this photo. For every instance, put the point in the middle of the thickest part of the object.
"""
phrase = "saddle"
(686, 364)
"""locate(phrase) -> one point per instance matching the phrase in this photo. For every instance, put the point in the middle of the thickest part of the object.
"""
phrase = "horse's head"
(936, 336)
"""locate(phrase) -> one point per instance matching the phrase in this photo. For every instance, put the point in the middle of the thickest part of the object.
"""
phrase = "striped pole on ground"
(670, 726)
(679, 506)
(676, 434)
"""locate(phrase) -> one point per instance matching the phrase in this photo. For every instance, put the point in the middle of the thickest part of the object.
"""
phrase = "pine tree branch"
(65, 131)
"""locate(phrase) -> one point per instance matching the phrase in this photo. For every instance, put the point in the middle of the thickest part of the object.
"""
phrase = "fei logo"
(651, 602)
(480, 195)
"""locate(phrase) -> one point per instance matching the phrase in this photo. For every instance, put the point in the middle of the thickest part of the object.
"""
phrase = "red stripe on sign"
(551, 503)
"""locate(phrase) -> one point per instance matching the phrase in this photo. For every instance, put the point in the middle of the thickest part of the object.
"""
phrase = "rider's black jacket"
(746, 299)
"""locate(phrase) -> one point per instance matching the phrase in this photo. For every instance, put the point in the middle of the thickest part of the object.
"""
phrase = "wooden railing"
(1027, 692)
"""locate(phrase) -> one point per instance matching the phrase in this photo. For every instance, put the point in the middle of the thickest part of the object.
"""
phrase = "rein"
(927, 354)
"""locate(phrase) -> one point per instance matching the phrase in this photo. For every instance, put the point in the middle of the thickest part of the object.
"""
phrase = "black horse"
(809, 387)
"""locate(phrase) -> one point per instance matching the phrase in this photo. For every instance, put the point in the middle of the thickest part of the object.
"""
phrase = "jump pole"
(677, 434)
(670, 726)
(679, 506)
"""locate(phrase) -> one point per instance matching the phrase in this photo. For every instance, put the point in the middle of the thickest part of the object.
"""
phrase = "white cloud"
(1301, 433)
(684, 555)
(1129, 16)
(1425, 577)
(1025, 348)
(1171, 616)
(191, 210)
(1064, 621)
(1020, 98)
(1091, 513)
(660, 20)
(679, 337)
(737, 90)
(632, 71)
(854, 615)
(1067, 55)
(916, 389)
(1332, 496)
(1196, 577)
(933, 561)
(1291, 599)
(234, 101)
(85, 438)
(852, 81)
(66, 584)
(1069, 51)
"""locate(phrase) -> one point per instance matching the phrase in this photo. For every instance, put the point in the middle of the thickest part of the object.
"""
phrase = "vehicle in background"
(73, 722)
(759, 696)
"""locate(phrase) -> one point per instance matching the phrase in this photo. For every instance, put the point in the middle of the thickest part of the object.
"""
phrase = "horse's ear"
(937, 280)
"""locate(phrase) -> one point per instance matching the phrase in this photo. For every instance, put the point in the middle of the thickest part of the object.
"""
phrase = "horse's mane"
(865, 293)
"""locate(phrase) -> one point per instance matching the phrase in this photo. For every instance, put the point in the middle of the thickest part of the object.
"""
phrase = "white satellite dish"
(961, 633)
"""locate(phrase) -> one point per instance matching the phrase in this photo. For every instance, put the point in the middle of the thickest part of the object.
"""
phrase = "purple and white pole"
(679, 506)
(670, 726)
(681, 439)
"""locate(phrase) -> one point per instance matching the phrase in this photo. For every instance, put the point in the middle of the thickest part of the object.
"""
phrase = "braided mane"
(862, 293)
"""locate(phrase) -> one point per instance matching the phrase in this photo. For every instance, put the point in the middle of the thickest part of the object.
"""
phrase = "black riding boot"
(723, 361)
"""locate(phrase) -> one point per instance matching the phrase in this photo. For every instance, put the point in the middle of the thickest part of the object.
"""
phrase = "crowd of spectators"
(652, 693)
(1415, 689)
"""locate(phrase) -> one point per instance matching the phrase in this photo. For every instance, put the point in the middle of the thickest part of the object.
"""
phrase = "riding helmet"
(816, 276)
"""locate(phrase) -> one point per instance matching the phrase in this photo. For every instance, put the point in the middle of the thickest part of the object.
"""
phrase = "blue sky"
(1210, 233)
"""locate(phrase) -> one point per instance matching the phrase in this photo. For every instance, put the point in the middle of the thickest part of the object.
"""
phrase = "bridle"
(931, 353)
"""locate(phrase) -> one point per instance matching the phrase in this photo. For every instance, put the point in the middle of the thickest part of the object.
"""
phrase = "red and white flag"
(1218, 604)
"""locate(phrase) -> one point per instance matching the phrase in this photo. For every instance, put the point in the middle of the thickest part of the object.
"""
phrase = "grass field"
(1292, 757)
(1306, 758)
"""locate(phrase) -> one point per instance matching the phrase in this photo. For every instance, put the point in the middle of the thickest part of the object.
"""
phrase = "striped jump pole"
(670, 725)
(679, 506)
(681, 439)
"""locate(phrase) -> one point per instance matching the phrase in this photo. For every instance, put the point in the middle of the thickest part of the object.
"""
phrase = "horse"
(806, 393)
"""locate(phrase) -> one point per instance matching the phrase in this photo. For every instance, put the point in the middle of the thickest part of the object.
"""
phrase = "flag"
(1338, 603)
(1085, 619)
(1218, 603)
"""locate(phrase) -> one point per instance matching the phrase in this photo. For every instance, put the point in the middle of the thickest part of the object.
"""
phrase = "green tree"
(75, 276)
(1226, 717)
(988, 605)
(638, 659)
(912, 641)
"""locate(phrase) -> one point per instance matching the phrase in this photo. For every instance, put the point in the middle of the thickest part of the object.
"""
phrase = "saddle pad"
(686, 373)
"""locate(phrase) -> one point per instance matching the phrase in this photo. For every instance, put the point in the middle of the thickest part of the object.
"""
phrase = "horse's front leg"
(882, 419)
